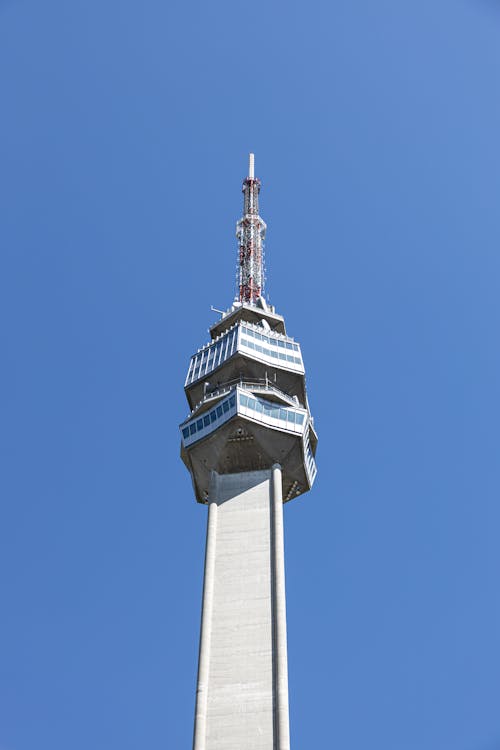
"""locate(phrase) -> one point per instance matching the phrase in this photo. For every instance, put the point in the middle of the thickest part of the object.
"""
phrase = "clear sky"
(124, 134)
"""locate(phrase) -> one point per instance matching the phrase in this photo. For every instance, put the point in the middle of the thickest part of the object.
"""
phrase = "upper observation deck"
(269, 347)
(249, 349)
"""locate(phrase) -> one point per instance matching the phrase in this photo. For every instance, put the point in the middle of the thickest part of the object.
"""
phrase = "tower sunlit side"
(249, 444)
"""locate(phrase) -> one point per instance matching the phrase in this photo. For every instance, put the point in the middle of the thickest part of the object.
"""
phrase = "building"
(249, 444)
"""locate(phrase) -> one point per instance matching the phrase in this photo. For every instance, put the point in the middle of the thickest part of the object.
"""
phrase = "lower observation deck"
(241, 430)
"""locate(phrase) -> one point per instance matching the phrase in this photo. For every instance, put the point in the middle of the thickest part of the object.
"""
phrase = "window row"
(270, 409)
(210, 417)
(271, 352)
(310, 460)
(269, 340)
(211, 357)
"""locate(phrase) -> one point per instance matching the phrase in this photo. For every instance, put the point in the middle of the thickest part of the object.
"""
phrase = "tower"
(249, 444)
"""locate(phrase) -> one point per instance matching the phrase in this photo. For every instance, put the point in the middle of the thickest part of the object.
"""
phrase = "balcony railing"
(263, 384)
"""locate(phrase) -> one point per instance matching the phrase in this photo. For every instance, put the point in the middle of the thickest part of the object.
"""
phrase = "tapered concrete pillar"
(242, 693)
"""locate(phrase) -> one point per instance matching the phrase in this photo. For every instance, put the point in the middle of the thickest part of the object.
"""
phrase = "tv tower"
(249, 444)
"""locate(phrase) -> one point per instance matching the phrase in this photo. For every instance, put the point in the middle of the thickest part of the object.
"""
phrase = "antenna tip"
(251, 166)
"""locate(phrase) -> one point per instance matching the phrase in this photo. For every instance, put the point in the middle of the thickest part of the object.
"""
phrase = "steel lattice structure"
(251, 231)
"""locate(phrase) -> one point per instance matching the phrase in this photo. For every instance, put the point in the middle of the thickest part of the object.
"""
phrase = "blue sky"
(124, 135)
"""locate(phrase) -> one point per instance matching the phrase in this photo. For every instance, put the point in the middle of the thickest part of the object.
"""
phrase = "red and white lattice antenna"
(250, 231)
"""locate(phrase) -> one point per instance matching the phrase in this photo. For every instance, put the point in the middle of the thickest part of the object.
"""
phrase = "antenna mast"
(250, 231)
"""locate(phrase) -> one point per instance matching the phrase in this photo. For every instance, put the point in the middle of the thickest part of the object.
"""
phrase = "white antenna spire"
(251, 167)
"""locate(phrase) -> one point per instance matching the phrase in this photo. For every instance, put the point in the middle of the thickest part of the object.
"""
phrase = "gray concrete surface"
(242, 691)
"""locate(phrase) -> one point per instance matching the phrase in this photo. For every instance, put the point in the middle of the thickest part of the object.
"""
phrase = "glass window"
(283, 414)
(282, 356)
(192, 429)
(258, 336)
(274, 354)
(206, 420)
(251, 403)
(258, 348)
(259, 407)
(225, 406)
(295, 347)
(291, 416)
(275, 412)
(289, 358)
(288, 345)
(299, 418)
(213, 416)
(281, 344)
(185, 432)
(219, 411)
(266, 352)
(251, 345)
(232, 401)
(243, 399)
(199, 424)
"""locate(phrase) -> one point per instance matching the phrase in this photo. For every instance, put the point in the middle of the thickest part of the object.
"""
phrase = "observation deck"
(247, 349)
(249, 410)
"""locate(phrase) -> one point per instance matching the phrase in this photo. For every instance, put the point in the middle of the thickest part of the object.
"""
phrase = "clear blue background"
(124, 134)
